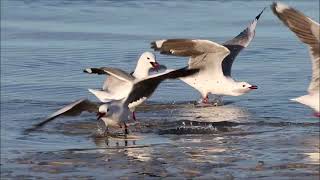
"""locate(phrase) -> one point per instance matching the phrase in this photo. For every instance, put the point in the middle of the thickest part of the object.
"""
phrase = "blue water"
(46, 44)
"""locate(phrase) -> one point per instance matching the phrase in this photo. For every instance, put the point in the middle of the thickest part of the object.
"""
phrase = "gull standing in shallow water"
(213, 60)
(308, 31)
(115, 89)
(118, 89)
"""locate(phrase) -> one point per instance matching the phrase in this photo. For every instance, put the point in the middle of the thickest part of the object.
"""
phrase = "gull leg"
(126, 132)
(317, 114)
(134, 116)
(106, 132)
(107, 141)
(204, 101)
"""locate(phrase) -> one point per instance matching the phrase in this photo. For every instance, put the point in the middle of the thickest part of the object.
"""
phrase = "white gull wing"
(115, 72)
(112, 84)
(203, 54)
(117, 85)
(308, 31)
(238, 43)
(144, 88)
(104, 96)
(73, 109)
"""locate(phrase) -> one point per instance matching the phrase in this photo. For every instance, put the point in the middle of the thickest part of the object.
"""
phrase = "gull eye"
(244, 85)
(108, 110)
(148, 58)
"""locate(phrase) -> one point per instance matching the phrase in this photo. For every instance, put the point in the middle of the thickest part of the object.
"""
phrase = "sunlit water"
(45, 45)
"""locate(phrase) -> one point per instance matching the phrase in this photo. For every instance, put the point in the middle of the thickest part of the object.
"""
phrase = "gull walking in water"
(213, 60)
(117, 111)
(308, 31)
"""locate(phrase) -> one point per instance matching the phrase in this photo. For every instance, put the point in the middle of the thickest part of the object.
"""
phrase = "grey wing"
(111, 84)
(143, 89)
(238, 43)
(115, 72)
(308, 31)
(196, 49)
(73, 109)
(177, 47)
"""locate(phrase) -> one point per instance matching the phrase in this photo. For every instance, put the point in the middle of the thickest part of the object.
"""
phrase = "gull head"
(243, 88)
(104, 111)
(149, 60)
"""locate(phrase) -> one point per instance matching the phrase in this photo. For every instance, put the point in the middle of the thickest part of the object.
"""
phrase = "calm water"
(45, 45)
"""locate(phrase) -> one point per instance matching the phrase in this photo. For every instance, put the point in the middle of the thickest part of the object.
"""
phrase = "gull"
(308, 32)
(146, 61)
(118, 89)
(213, 60)
(115, 112)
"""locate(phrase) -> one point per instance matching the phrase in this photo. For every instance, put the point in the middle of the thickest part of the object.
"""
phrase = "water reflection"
(137, 146)
(213, 114)
(189, 111)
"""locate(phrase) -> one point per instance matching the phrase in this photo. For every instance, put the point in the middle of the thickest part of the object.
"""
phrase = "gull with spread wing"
(115, 112)
(213, 60)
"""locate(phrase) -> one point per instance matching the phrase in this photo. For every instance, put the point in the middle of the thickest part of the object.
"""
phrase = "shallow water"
(45, 45)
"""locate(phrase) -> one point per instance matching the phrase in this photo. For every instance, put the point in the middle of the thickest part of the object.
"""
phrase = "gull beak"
(253, 87)
(317, 114)
(155, 65)
(100, 115)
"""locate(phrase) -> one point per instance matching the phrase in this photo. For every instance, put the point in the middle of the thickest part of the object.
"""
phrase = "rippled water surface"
(46, 44)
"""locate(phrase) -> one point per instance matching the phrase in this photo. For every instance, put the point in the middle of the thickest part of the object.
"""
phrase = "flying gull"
(213, 60)
(308, 31)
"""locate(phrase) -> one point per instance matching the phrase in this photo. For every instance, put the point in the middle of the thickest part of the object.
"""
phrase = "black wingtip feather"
(183, 72)
(94, 71)
(154, 46)
(257, 17)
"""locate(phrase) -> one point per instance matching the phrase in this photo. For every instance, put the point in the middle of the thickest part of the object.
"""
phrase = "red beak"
(100, 115)
(155, 65)
(253, 87)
